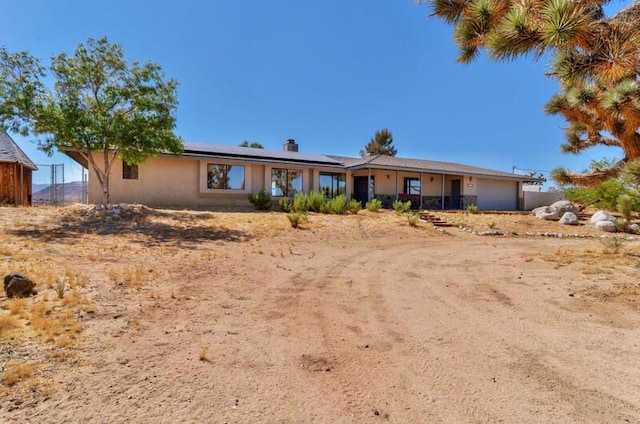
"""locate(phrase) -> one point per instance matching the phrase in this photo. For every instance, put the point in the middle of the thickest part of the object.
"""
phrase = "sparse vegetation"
(7, 324)
(261, 201)
(472, 208)
(413, 219)
(611, 245)
(286, 204)
(374, 205)
(297, 218)
(60, 288)
(354, 206)
(16, 372)
(401, 207)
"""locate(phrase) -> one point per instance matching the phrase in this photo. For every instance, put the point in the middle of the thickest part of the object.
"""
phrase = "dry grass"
(7, 325)
(15, 306)
(202, 356)
(15, 372)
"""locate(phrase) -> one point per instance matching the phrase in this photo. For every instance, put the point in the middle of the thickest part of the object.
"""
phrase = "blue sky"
(327, 73)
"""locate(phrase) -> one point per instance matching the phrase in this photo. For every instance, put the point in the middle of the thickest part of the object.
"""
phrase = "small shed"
(16, 171)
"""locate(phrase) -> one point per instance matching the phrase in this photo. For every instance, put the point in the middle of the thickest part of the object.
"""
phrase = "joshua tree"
(596, 59)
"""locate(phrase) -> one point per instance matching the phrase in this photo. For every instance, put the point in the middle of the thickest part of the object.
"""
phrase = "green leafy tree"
(380, 144)
(596, 59)
(100, 106)
(255, 145)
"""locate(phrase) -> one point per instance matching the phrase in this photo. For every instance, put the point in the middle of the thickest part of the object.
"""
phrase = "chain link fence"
(50, 188)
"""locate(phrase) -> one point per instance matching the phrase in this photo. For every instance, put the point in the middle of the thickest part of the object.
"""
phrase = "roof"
(201, 149)
(10, 152)
(421, 165)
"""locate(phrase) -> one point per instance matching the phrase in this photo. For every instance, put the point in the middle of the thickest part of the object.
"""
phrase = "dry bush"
(17, 372)
(203, 354)
(7, 325)
(15, 306)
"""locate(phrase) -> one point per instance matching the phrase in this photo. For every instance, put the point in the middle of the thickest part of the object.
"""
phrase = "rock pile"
(115, 212)
(563, 211)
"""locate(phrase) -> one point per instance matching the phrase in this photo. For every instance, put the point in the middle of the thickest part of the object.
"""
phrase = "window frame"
(408, 187)
(130, 172)
(227, 167)
(335, 189)
(287, 181)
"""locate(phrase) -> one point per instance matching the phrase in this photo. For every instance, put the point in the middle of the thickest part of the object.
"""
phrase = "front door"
(361, 189)
(455, 194)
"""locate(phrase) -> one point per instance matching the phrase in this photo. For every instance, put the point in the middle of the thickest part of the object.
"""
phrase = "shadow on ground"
(149, 227)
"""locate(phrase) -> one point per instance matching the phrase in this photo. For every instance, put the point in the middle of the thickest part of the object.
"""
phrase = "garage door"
(497, 195)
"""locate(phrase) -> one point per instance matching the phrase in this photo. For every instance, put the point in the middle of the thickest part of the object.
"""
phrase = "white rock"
(607, 226)
(545, 212)
(602, 216)
(634, 228)
(563, 206)
(569, 218)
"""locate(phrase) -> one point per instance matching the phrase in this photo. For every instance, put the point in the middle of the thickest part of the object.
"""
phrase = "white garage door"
(497, 195)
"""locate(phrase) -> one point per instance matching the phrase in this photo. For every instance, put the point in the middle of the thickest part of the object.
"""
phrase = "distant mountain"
(72, 192)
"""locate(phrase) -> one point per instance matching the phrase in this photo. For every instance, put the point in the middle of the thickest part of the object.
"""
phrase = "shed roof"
(10, 152)
(422, 165)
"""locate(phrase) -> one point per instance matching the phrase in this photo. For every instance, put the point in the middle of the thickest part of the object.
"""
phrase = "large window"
(129, 172)
(225, 177)
(411, 185)
(332, 184)
(285, 182)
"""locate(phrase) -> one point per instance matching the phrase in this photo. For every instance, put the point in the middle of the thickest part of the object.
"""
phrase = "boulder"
(545, 212)
(563, 206)
(18, 285)
(569, 218)
(607, 226)
(634, 228)
(602, 216)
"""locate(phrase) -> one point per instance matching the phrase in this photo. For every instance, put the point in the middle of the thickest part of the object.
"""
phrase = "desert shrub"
(492, 225)
(301, 203)
(338, 205)
(286, 204)
(316, 200)
(604, 195)
(611, 245)
(472, 208)
(296, 218)
(261, 201)
(373, 205)
(401, 207)
(413, 219)
(60, 288)
(354, 206)
(625, 207)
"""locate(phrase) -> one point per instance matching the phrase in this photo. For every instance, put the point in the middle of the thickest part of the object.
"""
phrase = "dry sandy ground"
(216, 317)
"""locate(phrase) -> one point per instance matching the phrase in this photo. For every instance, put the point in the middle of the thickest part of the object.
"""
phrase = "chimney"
(291, 146)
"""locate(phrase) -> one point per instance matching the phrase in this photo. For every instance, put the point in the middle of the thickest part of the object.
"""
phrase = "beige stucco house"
(214, 176)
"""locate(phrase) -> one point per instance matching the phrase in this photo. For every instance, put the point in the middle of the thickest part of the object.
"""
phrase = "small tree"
(255, 145)
(380, 144)
(99, 104)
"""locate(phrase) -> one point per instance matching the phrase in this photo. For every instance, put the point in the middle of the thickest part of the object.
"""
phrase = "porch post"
(397, 177)
(442, 200)
(421, 191)
(369, 191)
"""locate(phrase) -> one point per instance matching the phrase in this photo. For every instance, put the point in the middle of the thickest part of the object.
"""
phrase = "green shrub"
(373, 205)
(401, 207)
(261, 201)
(286, 204)
(354, 206)
(338, 205)
(315, 201)
(413, 219)
(625, 207)
(296, 218)
(301, 203)
(604, 195)
(472, 208)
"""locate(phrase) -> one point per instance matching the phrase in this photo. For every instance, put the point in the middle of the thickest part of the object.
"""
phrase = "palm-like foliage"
(596, 60)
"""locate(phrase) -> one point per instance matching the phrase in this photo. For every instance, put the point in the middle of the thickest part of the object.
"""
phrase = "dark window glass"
(333, 184)
(129, 172)
(412, 186)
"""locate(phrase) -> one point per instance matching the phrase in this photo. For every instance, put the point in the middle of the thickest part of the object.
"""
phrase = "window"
(129, 172)
(412, 186)
(332, 185)
(285, 182)
(225, 177)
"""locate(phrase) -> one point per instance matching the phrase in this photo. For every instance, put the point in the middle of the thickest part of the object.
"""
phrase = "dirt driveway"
(238, 318)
